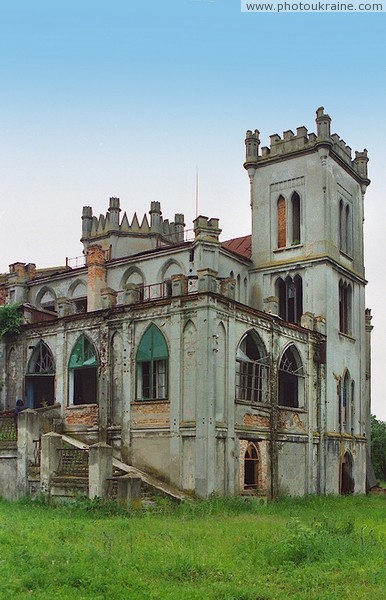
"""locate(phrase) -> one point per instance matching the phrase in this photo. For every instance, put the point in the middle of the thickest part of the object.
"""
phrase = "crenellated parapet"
(301, 142)
(126, 236)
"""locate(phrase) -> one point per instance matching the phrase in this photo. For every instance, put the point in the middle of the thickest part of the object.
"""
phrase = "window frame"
(154, 364)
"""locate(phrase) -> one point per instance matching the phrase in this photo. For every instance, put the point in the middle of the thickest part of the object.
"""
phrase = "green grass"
(223, 549)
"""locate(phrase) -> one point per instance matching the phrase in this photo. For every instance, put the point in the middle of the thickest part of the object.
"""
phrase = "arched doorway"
(251, 468)
(347, 482)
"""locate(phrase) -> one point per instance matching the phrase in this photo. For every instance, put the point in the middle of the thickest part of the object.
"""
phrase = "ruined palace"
(236, 366)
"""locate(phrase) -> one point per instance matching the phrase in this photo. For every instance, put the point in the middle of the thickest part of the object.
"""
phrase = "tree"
(378, 447)
(11, 320)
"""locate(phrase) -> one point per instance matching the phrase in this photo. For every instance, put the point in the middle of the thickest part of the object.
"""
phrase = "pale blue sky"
(123, 98)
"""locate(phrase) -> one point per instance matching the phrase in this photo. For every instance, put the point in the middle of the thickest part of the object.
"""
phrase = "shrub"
(11, 320)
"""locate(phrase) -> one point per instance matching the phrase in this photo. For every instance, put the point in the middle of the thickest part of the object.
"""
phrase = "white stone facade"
(206, 364)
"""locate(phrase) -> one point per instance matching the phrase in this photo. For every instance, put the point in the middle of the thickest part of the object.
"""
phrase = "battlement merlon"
(302, 142)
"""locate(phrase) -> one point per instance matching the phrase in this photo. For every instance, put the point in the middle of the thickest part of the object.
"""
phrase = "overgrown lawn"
(313, 548)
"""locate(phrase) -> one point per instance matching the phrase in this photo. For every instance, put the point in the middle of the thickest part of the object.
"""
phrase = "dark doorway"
(347, 483)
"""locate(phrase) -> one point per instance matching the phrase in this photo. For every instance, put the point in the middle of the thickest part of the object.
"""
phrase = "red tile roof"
(241, 245)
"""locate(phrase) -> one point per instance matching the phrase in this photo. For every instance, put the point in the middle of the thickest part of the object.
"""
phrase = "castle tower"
(307, 249)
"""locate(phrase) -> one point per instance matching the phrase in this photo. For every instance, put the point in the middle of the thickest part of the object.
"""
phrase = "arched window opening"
(245, 290)
(347, 482)
(251, 468)
(342, 227)
(290, 295)
(238, 288)
(291, 379)
(40, 377)
(348, 230)
(83, 368)
(345, 299)
(345, 227)
(47, 300)
(281, 223)
(152, 366)
(252, 370)
(79, 297)
(345, 398)
(295, 205)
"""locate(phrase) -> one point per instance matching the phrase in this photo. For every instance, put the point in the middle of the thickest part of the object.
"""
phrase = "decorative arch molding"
(77, 292)
(78, 289)
(46, 299)
(189, 373)
(133, 275)
(171, 267)
(116, 382)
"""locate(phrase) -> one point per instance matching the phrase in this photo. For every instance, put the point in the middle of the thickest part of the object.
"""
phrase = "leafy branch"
(11, 320)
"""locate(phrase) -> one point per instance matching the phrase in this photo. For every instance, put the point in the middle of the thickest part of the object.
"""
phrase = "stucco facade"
(229, 367)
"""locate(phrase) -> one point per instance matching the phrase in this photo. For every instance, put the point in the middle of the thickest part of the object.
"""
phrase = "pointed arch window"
(281, 223)
(291, 379)
(288, 221)
(41, 361)
(346, 402)
(252, 370)
(295, 214)
(345, 303)
(152, 366)
(251, 468)
(40, 377)
(83, 370)
(345, 227)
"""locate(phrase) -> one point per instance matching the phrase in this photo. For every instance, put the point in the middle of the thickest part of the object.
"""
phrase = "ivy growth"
(11, 320)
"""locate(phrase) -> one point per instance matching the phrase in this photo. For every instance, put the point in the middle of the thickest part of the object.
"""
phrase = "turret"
(114, 210)
(323, 124)
(86, 222)
(360, 161)
(155, 216)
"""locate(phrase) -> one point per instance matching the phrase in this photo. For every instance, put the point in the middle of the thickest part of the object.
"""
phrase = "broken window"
(290, 295)
(252, 368)
(152, 365)
(83, 368)
(40, 377)
(291, 379)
